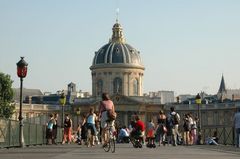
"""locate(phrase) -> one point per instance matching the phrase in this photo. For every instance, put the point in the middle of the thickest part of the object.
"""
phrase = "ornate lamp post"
(22, 73)
(62, 101)
(198, 102)
(78, 111)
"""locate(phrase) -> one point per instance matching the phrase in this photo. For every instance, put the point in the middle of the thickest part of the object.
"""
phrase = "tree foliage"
(6, 96)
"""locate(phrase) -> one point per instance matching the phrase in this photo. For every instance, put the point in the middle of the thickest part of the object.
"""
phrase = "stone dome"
(117, 52)
(117, 67)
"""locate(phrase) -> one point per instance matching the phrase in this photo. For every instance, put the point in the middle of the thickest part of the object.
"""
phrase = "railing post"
(233, 136)
(36, 135)
(29, 133)
(44, 134)
(224, 135)
(9, 133)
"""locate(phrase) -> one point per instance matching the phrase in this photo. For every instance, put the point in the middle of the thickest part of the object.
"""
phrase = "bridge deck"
(73, 151)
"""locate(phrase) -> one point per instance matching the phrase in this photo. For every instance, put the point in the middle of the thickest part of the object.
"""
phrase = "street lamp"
(78, 111)
(62, 101)
(22, 73)
(198, 102)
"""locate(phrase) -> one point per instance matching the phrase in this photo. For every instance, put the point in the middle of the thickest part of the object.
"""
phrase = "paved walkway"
(122, 151)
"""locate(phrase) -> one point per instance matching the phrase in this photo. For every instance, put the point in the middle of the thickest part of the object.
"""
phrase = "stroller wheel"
(139, 145)
(135, 146)
(148, 145)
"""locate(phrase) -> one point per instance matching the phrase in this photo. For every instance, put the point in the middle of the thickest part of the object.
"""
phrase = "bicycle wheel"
(112, 145)
(107, 146)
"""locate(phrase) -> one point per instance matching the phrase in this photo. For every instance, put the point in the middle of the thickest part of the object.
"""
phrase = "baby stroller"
(136, 138)
(151, 139)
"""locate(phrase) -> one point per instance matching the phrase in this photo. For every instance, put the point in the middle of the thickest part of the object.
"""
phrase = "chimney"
(233, 97)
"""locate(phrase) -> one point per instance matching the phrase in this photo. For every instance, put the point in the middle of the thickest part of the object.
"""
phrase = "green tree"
(6, 96)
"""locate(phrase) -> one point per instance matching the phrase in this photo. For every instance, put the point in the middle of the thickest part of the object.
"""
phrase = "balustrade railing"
(34, 134)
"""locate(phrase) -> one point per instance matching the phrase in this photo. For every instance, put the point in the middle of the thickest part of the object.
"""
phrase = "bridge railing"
(225, 133)
(34, 134)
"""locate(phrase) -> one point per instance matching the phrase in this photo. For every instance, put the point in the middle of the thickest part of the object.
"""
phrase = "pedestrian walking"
(84, 129)
(161, 127)
(91, 120)
(175, 120)
(55, 126)
(67, 134)
(49, 130)
(186, 129)
(237, 127)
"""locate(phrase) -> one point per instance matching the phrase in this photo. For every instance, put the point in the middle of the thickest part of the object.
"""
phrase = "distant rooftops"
(26, 92)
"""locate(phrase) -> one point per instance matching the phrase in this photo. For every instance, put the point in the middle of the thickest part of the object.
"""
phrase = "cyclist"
(105, 105)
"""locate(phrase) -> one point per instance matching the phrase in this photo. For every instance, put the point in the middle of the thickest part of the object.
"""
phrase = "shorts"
(104, 118)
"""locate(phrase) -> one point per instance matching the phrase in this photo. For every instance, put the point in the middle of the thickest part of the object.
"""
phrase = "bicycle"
(110, 145)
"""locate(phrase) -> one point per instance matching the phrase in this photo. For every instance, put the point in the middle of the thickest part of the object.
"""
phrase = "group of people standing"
(166, 130)
(52, 126)
(51, 131)
(88, 131)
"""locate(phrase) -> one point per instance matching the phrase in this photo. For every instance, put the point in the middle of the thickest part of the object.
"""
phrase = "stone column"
(140, 84)
(105, 82)
(129, 83)
(94, 84)
(110, 82)
(125, 84)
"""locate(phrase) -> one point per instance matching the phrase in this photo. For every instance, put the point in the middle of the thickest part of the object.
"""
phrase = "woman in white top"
(191, 131)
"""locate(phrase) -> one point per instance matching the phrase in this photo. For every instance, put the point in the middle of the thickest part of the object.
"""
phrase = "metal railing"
(34, 134)
(225, 133)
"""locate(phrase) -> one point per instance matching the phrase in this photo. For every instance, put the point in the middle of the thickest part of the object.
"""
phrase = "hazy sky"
(185, 45)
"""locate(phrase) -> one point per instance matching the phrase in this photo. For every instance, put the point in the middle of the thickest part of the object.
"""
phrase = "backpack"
(175, 119)
(112, 115)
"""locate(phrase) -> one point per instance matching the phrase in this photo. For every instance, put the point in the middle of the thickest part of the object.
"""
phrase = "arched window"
(117, 85)
(135, 87)
(99, 87)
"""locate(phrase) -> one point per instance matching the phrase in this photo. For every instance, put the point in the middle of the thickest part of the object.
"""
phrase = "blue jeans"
(237, 142)
(211, 141)
(93, 129)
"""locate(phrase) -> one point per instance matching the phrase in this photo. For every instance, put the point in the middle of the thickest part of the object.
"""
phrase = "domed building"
(117, 67)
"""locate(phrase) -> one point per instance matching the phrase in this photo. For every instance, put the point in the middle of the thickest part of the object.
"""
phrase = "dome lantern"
(117, 35)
